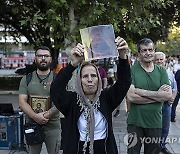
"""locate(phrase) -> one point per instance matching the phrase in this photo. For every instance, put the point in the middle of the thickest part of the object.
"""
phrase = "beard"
(43, 66)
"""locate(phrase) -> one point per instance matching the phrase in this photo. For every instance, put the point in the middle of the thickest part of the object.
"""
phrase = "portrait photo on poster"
(98, 42)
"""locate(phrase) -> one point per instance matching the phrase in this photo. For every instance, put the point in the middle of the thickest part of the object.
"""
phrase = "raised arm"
(75, 59)
(59, 95)
(118, 91)
(77, 55)
(122, 47)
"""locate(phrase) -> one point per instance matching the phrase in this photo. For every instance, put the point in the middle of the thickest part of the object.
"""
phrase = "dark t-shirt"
(102, 72)
(177, 77)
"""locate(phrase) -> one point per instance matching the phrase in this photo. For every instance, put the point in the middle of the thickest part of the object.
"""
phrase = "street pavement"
(119, 125)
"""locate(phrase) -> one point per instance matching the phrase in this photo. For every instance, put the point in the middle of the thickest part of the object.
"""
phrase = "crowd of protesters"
(142, 81)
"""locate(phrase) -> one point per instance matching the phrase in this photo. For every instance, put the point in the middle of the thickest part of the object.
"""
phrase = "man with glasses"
(149, 89)
(38, 89)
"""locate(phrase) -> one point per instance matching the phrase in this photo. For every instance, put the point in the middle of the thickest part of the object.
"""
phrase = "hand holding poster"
(99, 42)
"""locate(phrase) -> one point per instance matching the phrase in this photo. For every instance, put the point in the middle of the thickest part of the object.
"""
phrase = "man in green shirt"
(36, 93)
(149, 89)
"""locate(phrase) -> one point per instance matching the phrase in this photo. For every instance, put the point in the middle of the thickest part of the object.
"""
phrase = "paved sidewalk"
(119, 125)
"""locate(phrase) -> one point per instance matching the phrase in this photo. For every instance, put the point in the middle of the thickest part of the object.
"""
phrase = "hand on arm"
(77, 55)
(29, 111)
(174, 93)
(50, 112)
(163, 94)
(133, 97)
(122, 47)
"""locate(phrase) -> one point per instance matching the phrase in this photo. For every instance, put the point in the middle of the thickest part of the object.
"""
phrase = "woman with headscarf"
(88, 110)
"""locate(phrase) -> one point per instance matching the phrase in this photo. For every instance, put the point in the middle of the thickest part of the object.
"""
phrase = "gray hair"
(160, 53)
(144, 41)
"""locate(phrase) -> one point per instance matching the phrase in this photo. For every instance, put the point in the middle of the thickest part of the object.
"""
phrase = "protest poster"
(99, 42)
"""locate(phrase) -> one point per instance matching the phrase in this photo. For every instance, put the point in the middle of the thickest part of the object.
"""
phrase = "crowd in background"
(172, 62)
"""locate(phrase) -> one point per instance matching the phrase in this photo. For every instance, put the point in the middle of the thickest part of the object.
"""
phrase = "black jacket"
(177, 77)
(66, 102)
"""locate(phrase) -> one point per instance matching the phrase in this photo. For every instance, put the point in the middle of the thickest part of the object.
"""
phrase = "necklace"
(42, 80)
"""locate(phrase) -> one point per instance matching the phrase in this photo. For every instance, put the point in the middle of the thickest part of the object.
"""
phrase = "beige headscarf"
(88, 106)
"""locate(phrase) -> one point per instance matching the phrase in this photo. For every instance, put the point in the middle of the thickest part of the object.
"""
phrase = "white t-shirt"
(115, 68)
(176, 67)
(100, 126)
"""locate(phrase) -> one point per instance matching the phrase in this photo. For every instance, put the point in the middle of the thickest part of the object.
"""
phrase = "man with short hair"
(160, 59)
(149, 89)
(39, 87)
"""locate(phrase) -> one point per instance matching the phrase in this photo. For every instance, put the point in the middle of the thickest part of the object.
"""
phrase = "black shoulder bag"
(34, 133)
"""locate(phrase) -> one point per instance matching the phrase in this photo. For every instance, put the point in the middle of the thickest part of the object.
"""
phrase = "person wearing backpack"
(34, 88)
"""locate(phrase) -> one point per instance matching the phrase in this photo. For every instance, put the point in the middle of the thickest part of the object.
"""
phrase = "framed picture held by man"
(39, 103)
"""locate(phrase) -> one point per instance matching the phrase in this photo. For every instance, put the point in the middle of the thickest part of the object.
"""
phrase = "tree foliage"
(171, 45)
(56, 23)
